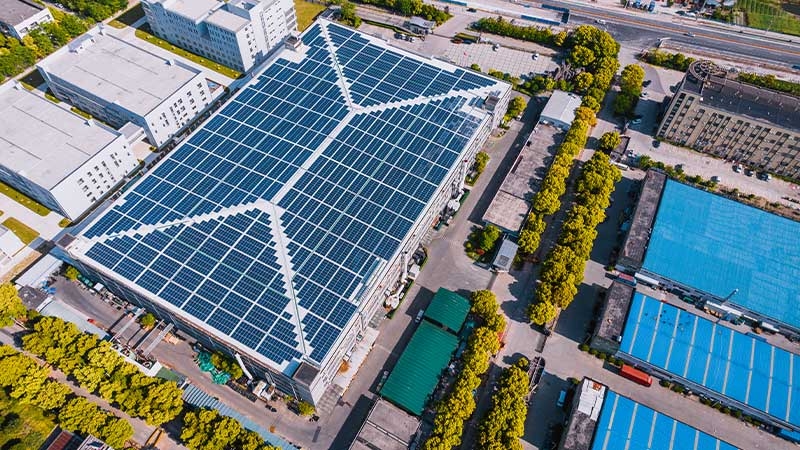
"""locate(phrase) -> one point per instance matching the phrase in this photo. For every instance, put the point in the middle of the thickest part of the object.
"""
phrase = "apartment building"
(119, 82)
(62, 160)
(239, 33)
(714, 113)
(18, 17)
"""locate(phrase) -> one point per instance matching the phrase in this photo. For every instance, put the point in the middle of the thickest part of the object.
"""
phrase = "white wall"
(160, 130)
(23, 28)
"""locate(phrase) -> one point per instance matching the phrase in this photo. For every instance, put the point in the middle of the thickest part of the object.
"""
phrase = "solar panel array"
(625, 424)
(730, 363)
(268, 221)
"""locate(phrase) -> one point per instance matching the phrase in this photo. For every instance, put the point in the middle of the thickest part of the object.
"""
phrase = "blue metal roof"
(717, 245)
(725, 361)
(266, 224)
(625, 425)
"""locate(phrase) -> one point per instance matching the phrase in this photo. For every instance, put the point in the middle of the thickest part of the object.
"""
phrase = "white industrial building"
(59, 158)
(560, 109)
(19, 17)
(238, 33)
(118, 82)
(10, 245)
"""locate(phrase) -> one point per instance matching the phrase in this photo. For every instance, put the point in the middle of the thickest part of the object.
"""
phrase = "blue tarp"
(730, 363)
(717, 245)
(625, 424)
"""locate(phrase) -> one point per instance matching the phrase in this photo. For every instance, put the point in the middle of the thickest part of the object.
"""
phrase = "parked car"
(536, 56)
(647, 83)
(420, 314)
(748, 172)
(764, 176)
(636, 121)
(737, 168)
(656, 143)
(562, 396)
(689, 33)
(716, 179)
(472, 10)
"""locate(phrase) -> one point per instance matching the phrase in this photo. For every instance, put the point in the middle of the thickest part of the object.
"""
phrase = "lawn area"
(306, 13)
(23, 199)
(768, 15)
(28, 427)
(144, 33)
(25, 233)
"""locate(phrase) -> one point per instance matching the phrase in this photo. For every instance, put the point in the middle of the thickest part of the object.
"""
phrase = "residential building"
(18, 17)
(712, 112)
(281, 226)
(119, 82)
(57, 157)
(238, 33)
(560, 109)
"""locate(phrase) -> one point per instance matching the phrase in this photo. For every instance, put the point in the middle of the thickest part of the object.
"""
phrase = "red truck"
(636, 375)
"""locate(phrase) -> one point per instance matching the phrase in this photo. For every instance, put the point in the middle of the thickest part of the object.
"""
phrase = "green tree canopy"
(609, 141)
(11, 306)
(542, 313)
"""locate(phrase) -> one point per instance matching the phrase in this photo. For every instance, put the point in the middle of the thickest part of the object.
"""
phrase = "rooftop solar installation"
(717, 245)
(625, 424)
(725, 361)
(265, 225)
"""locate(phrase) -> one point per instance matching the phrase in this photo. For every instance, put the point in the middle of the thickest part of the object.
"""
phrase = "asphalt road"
(637, 29)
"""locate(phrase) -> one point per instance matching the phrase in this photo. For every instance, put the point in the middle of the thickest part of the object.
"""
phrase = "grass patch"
(81, 112)
(49, 95)
(30, 428)
(64, 223)
(33, 79)
(144, 34)
(768, 15)
(129, 17)
(25, 233)
(23, 199)
(116, 24)
(306, 13)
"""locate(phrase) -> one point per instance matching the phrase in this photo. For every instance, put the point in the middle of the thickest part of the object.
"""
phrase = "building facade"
(118, 82)
(19, 17)
(754, 126)
(59, 158)
(239, 33)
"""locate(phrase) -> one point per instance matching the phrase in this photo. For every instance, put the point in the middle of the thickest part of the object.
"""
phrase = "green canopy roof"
(448, 309)
(417, 372)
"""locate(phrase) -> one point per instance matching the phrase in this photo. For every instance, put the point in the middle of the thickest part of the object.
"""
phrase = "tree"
(484, 303)
(147, 321)
(305, 409)
(475, 67)
(515, 107)
(206, 429)
(583, 81)
(631, 79)
(71, 273)
(14, 367)
(581, 56)
(488, 237)
(348, 14)
(609, 141)
(11, 306)
(528, 241)
(625, 104)
(546, 202)
(82, 416)
(481, 160)
(52, 395)
(591, 103)
(542, 313)
(116, 432)
(28, 387)
(586, 115)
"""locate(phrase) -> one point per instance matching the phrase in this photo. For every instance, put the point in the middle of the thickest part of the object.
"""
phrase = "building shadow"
(358, 414)
(574, 322)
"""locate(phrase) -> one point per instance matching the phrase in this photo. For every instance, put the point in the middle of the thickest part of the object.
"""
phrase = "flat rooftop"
(265, 227)
(633, 250)
(561, 106)
(511, 204)
(386, 428)
(738, 366)
(617, 303)
(718, 245)
(626, 425)
(586, 407)
(118, 71)
(191, 9)
(14, 12)
(227, 20)
(736, 97)
(42, 141)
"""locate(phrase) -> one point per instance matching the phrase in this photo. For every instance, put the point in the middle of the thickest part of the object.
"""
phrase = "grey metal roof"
(14, 12)
(612, 320)
(633, 251)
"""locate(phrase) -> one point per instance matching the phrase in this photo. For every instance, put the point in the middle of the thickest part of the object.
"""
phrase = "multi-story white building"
(18, 17)
(62, 160)
(238, 33)
(118, 82)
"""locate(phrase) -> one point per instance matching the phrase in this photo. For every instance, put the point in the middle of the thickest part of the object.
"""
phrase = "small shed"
(420, 26)
(560, 109)
(505, 255)
(448, 309)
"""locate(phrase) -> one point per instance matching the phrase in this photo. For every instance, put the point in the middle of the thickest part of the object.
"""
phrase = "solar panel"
(266, 223)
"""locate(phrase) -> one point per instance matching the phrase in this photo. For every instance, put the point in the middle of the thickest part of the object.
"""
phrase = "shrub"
(583, 347)
(666, 384)
(593, 352)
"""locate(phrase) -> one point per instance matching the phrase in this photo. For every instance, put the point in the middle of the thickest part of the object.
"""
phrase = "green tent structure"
(417, 373)
(448, 309)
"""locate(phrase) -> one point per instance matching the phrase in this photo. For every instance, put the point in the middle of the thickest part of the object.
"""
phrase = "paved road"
(634, 26)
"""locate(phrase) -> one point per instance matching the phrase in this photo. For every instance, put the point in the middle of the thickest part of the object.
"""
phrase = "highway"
(638, 29)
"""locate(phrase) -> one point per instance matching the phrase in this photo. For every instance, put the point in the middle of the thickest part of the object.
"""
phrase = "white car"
(636, 121)
(600, 21)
